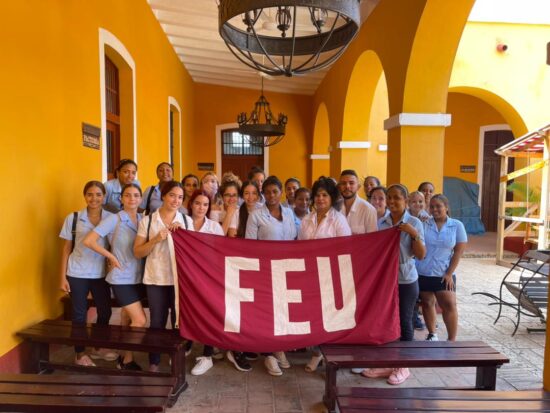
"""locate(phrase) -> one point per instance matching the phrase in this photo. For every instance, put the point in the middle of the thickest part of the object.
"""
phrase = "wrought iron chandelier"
(261, 128)
(288, 37)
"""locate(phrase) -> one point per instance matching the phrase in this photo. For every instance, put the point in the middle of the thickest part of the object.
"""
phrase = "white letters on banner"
(333, 319)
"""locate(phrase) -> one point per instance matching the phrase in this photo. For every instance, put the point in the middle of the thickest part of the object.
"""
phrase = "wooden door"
(491, 176)
(238, 155)
(112, 109)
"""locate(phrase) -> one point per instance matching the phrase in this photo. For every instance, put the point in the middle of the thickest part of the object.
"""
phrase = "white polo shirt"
(158, 267)
(362, 216)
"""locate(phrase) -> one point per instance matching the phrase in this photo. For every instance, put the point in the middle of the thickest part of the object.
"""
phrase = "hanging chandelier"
(261, 128)
(288, 37)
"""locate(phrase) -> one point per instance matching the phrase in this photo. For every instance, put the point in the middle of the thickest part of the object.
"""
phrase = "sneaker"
(432, 337)
(357, 370)
(104, 354)
(84, 361)
(251, 356)
(217, 354)
(418, 324)
(374, 373)
(132, 365)
(154, 368)
(281, 358)
(202, 366)
(399, 376)
(239, 361)
(272, 366)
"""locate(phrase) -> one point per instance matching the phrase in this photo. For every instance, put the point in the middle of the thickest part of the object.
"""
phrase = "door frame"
(482, 130)
(219, 129)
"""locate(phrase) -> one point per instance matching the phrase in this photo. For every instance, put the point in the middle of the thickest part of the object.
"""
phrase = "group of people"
(119, 242)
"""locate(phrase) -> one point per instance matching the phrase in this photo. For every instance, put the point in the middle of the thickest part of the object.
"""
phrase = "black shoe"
(239, 361)
(132, 365)
(251, 356)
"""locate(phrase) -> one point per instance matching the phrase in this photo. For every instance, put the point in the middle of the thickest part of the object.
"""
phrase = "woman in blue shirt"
(272, 222)
(411, 246)
(82, 270)
(445, 243)
(125, 174)
(125, 269)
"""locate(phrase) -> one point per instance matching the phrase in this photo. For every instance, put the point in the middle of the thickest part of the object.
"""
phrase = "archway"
(364, 140)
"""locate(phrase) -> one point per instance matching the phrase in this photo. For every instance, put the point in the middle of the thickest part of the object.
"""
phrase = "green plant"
(522, 193)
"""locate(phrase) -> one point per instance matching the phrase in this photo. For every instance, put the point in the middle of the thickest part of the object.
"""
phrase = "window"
(171, 138)
(236, 144)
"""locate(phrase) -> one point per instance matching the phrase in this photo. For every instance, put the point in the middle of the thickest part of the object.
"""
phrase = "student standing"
(361, 215)
(152, 241)
(125, 269)
(151, 197)
(125, 174)
(83, 270)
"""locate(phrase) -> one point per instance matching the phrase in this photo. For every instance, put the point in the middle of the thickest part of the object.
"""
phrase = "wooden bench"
(362, 399)
(413, 354)
(116, 337)
(83, 393)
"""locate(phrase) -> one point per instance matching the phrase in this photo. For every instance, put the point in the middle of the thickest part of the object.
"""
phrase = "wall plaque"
(205, 166)
(468, 169)
(90, 136)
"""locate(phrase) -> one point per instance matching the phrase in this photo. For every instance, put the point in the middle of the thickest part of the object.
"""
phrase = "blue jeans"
(161, 300)
(101, 293)
(408, 294)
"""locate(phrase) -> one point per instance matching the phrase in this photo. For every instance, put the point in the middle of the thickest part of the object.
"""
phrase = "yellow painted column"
(415, 155)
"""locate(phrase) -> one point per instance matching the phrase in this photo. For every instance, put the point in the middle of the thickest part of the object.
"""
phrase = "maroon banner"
(265, 296)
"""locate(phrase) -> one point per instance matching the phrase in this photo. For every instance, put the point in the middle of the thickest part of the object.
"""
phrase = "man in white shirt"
(360, 214)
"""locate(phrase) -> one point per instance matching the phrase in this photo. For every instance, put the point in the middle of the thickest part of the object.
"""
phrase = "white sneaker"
(357, 370)
(272, 366)
(281, 358)
(202, 366)
(432, 337)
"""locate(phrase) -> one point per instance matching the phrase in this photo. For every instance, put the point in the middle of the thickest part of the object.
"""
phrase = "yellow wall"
(218, 105)
(49, 83)
(462, 137)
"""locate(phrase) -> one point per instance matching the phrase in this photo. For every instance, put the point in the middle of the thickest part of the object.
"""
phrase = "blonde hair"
(417, 193)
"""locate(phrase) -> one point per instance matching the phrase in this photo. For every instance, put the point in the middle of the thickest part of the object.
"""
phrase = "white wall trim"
(383, 148)
(417, 119)
(172, 101)
(107, 38)
(353, 145)
(219, 129)
(318, 156)
(482, 130)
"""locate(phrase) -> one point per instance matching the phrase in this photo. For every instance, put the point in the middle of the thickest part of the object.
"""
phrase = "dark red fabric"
(201, 262)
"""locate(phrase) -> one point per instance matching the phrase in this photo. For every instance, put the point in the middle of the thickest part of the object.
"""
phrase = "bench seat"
(362, 399)
(83, 393)
(48, 332)
(412, 354)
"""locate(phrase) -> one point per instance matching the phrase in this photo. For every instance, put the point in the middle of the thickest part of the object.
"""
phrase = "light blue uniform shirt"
(407, 269)
(263, 226)
(156, 200)
(83, 262)
(440, 246)
(113, 190)
(122, 247)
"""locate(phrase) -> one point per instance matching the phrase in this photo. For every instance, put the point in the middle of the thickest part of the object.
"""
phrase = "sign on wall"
(90, 136)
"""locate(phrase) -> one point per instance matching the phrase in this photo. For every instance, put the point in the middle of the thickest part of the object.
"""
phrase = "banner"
(265, 296)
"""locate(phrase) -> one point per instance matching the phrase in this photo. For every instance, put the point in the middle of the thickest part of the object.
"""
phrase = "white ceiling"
(192, 28)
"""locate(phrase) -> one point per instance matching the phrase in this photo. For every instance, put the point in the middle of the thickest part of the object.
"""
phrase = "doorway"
(490, 181)
(238, 155)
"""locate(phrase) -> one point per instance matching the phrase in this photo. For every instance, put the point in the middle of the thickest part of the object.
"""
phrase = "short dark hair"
(377, 188)
(164, 163)
(328, 185)
(90, 184)
(349, 172)
(296, 180)
(196, 194)
(272, 180)
(425, 183)
(168, 186)
(255, 170)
